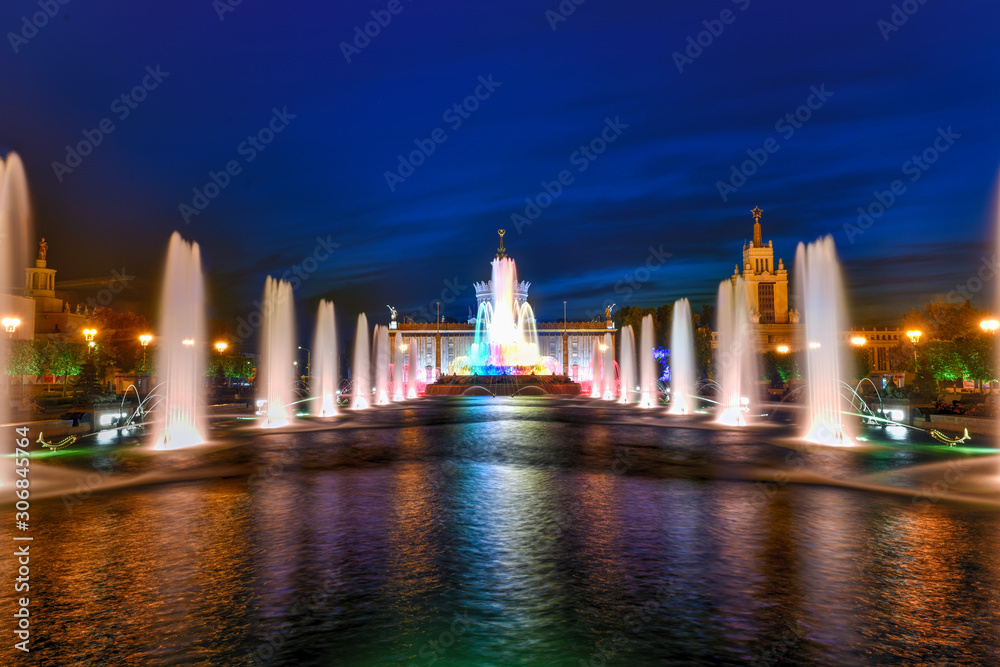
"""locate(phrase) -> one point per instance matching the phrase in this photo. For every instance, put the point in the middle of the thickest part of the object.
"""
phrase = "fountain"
(15, 228)
(736, 363)
(682, 373)
(411, 381)
(608, 368)
(325, 362)
(277, 352)
(380, 346)
(359, 372)
(821, 293)
(626, 363)
(182, 347)
(596, 370)
(398, 374)
(647, 364)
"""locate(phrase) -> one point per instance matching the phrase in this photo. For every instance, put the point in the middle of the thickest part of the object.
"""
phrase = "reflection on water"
(506, 533)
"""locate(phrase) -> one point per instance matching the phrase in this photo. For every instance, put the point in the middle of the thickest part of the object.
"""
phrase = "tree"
(861, 366)
(975, 355)
(61, 357)
(703, 351)
(779, 369)
(942, 320)
(23, 358)
(118, 335)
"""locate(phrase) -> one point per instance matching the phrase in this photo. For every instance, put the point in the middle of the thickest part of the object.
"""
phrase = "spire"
(757, 241)
(501, 252)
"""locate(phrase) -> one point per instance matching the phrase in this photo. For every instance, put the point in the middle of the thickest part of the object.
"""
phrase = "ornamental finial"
(756, 213)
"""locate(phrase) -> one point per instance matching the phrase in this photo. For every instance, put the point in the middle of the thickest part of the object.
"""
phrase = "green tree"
(23, 358)
(61, 357)
(779, 369)
(975, 355)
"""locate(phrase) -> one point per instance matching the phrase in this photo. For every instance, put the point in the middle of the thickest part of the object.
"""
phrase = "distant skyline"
(605, 139)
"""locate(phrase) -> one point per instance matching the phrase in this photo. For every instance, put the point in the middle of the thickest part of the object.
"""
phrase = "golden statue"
(501, 252)
(43, 249)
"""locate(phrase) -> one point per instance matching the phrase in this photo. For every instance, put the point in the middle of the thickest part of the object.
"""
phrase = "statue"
(607, 311)
(793, 316)
(392, 311)
(43, 249)
(65, 306)
(77, 309)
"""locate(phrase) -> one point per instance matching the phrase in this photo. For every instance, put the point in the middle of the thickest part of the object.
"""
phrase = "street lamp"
(11, 324)
(989, 326)
(308, 360)
(914, 336)
(782, 349)
(858, 341)
(88, 335)
(221, 347)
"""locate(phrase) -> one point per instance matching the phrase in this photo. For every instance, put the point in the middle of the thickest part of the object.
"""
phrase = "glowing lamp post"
(145, 340)
(221, 347)
(858, 341)
(914, 336)
(989, 326)
(88, 335)
(11, 324)
(782, 349)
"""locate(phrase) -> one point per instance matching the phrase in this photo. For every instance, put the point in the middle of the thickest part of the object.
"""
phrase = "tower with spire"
(766, 284)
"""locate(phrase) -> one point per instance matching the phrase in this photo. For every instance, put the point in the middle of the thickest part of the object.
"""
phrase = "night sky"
(886, 93)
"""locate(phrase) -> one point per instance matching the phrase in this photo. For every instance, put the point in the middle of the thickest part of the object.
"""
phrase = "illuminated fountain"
(736, 363)
(682, 373)
(610, 389)
(821, 293)
(411, 378)
(506, 340)
(324, 364)
(277, 352)
(648, 392)
(380, 346)
(182, 347)
(15, 228)
(361, 380)
(399, 374)
(596, 367)
(626, 364)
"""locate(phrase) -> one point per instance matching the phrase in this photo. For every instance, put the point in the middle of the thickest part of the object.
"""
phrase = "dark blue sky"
(655, 185)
